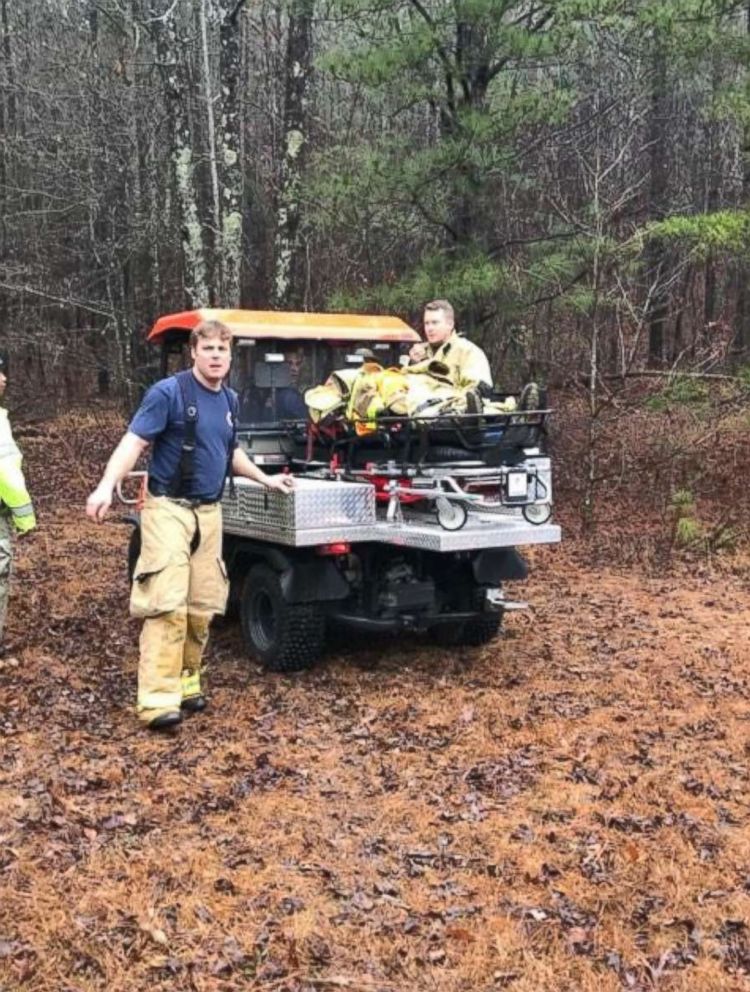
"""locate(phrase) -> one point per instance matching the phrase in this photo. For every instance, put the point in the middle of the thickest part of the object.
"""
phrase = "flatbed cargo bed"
(321, 511)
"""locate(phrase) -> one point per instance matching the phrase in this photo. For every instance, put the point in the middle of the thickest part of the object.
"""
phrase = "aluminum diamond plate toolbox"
(315, 511)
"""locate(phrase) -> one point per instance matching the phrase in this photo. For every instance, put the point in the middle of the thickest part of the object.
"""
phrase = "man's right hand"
(99, 502)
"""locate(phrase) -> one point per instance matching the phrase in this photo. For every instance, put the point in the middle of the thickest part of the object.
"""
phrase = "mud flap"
(313, 581)
(495, 565)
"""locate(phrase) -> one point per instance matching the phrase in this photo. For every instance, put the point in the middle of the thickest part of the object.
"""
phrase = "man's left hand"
(281, 483)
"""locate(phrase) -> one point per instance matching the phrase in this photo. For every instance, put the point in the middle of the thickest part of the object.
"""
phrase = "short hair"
(441, 305)
(209, 329)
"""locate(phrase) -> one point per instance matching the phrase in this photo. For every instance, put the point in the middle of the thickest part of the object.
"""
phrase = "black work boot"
(474, 402)
(166, 721)
(194, 704)
(474, 406)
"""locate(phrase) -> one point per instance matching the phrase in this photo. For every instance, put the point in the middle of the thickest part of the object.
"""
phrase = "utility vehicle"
(414, 526)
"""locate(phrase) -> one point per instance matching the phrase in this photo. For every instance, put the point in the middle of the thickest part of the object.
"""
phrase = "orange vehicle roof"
(301, 326)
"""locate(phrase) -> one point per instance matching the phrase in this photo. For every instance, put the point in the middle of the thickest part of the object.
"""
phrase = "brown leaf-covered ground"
(566, 809)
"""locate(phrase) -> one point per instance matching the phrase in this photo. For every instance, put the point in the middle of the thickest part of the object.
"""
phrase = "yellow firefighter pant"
(176, 592)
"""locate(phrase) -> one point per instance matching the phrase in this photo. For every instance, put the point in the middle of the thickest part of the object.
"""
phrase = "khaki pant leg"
(195, 644)
(207, 595)
(160, 666)
(160, 596)
(6, 560)
(209, 587)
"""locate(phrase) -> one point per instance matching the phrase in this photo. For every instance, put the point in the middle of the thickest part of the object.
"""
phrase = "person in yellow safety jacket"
(467, 363)
(180, 582)
(16, 508)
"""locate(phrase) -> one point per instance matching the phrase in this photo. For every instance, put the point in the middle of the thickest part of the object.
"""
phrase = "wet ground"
(566, 808)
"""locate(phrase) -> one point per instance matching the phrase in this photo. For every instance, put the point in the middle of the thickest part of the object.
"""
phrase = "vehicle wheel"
(134, 550)
(470, 634)
(482, 629)
(286, 637)
(446, 635)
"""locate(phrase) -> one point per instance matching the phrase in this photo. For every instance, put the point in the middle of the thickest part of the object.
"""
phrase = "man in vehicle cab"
(290, 403)
(271, 404)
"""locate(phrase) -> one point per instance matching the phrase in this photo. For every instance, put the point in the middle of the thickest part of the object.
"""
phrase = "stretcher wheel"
(451, 514)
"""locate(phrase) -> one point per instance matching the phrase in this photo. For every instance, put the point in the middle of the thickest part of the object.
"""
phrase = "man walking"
(16, 509)
(179, 583)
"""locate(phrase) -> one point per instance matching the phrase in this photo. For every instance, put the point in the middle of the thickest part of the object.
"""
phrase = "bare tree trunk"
(171, 60)
(7, 127)
(288, 285)
(141, 281)
(99, 340)
(741, 343)
(218, 254)
(8, 103)
(713, 169)
(656, 259)
(595, 342)
(230, 132)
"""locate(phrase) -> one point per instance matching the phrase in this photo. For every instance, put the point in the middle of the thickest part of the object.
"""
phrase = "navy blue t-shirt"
(160, 419)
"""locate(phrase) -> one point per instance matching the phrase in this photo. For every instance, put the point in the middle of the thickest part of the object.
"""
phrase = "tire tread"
(301, 634)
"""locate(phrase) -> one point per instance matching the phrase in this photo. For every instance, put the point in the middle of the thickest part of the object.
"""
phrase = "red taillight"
(337, 548)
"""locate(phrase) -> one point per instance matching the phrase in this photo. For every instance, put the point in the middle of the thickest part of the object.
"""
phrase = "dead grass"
(563, 811)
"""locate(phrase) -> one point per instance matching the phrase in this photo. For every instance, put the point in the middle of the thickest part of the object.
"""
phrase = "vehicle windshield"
(271, 376)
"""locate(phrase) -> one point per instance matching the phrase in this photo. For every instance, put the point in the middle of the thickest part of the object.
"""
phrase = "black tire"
(482, 629)
(286, 637)
(471, 633)
(134, 550)
(446, 635)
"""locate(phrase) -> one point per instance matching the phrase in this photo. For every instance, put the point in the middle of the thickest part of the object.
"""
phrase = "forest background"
(563, 810)
(574, 176)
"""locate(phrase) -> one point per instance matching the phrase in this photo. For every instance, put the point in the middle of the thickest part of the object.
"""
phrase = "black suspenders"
(186, 466)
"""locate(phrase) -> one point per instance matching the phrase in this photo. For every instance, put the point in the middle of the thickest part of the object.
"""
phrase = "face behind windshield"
(271, 377)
